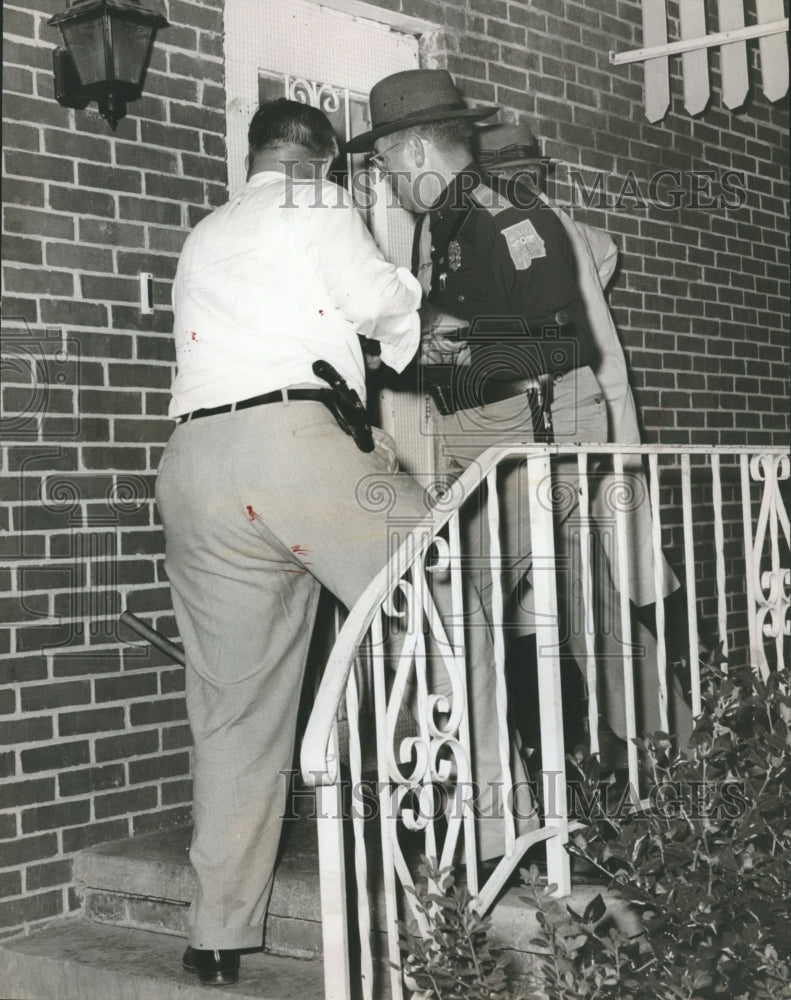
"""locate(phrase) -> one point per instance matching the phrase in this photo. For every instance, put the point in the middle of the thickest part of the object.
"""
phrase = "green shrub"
(704, 864)
(455, 960)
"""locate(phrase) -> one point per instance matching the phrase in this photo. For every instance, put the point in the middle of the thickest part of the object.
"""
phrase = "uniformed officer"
(506, 348)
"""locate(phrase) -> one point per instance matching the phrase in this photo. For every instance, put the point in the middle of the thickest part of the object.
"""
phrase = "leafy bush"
(455, 961)
(704, 863)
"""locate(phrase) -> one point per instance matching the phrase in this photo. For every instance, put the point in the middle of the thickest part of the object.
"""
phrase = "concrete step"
(147, 882)
(77, 959)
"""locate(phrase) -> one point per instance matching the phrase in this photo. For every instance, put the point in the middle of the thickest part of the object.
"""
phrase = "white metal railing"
(412, 625)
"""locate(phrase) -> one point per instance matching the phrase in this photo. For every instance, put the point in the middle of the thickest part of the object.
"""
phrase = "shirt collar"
(263, 176)
(455, 197)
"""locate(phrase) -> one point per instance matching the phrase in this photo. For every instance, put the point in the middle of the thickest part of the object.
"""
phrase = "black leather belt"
(278, 396)
(448, 401)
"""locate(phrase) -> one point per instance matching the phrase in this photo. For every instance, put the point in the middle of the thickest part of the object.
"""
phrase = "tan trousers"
(578, 416)
(261, 508)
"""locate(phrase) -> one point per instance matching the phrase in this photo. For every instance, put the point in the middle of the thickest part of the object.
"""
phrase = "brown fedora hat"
(413, 97)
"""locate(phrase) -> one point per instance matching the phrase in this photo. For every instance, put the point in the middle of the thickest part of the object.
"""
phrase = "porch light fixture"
(108, 47)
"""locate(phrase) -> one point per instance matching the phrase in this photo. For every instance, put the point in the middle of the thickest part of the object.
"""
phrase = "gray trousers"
(579, 415)
(260, 509)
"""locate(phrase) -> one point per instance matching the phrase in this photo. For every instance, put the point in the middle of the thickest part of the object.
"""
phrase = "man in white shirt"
(258, 489)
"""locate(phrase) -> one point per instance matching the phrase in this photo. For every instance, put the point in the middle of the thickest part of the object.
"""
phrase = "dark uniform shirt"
(502, 263)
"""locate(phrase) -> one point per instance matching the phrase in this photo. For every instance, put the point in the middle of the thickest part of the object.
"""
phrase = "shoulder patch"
(524, 244)
(491, 200)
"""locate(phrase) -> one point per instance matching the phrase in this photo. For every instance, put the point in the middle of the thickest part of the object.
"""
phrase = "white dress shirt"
(284, 274)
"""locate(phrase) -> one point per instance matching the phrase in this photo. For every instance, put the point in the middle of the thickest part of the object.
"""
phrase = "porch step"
(135, 895)
(147, 882)
(77, 959)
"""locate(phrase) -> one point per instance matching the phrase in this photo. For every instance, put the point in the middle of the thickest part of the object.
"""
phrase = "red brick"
(156, 134)
(175, 737)
(79, 257)
(33, 280)
(137, 744)
(22, 251)
(18, 793)
(44, 876)
(22, 108)
(23, 192)
(8, 830)
(67, 311)
(155, 768)
(81, 202)
(91, 175)
(43, 696)
(157, 403)
(55, 757)
(164, 710)
(77, 147)
(88, 780)
(113, 234)
(146, 376)
(100, 720)
(118, 803)
(149, 210)
(161, 819)
(125, 687)
(19, 136)
(163, 160)
(22, 668)
(94, 833)
(17, 731)
(38, 223)
(38, 165)
(205, 18)
(39, 906)
(17, 22)
(141, 542)
(172, 87)
(176, 792)
(85, 661)
(144, 431)
(52, 817)
(130, 317)
(110, 400)
(171, 681)
(10, 884)
(107, 288)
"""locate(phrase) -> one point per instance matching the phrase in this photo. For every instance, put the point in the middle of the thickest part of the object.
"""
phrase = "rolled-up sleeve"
(378, 298)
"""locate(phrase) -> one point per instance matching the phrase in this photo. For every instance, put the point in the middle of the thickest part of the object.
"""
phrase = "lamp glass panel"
(131, 41)
(85, 41)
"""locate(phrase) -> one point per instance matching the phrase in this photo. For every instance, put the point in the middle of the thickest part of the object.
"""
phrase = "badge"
(454, 255)
(524, 244)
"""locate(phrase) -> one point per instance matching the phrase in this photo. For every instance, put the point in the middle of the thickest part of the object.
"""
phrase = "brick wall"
(93, 742)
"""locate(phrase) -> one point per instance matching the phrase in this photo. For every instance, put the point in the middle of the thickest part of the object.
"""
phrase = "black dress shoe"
(215, 968)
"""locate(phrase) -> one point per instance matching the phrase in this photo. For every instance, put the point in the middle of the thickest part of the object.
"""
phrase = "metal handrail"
(318, 765)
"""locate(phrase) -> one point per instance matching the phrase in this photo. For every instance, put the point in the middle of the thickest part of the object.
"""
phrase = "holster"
(346, 406)
(540, 397)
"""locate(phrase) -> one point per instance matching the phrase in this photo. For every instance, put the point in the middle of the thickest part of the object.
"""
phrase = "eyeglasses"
(377, 159)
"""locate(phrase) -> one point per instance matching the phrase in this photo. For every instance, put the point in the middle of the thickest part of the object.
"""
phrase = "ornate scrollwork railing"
(411, 634)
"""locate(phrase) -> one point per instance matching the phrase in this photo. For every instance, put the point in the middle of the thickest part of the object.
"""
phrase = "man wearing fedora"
(507, 348)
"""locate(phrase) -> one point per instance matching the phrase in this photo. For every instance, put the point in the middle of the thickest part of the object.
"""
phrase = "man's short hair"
(447, 135)
(291, 123)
